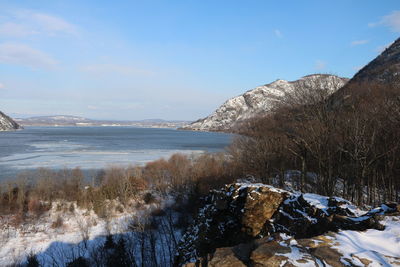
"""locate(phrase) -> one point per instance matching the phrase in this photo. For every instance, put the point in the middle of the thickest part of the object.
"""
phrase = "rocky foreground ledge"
(259, 225)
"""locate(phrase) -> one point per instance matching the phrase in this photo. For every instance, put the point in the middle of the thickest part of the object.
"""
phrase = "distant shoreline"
(67, 120)
(101, 125)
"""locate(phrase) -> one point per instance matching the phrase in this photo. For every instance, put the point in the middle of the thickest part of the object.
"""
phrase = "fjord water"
(93, 148)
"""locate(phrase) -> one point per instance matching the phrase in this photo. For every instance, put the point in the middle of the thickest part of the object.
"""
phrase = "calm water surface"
(94, 148)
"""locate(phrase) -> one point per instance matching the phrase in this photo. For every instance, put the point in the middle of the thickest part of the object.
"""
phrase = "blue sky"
(134, 60)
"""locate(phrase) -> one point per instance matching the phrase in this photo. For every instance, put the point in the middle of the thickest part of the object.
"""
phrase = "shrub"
(119, 208)
(149, 198)
(71, 208)
(58, 222)
(157, 212)
(18, 219)
(35, 207)
(79, 262)
(31, 260)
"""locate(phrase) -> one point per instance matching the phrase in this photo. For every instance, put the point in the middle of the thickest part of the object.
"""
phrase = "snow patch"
(379, 247)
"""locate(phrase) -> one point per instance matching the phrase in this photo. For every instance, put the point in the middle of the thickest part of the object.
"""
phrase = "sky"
(175, 60)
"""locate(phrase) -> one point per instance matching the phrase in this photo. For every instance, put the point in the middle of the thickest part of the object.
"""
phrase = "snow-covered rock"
(7, 124)
(258, 218)
(261, 100)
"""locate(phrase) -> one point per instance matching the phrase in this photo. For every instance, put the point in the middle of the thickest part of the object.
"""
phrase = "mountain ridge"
(382, 71)
(387, 63)
(259, 100)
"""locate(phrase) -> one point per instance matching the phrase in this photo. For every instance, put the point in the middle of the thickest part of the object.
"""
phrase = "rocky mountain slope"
(384, 70)
(247, 224)
(7, 124)
(260, 100)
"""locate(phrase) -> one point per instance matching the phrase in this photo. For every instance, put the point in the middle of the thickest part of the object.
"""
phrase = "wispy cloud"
(52, 24)
(104, 106)
(25, 23)
(359, 42)
(90, 107)
(319, 65)
(278, 33)
(20, 54)
(16, 30)
(391, 21)
(116, 69)
(2, 86)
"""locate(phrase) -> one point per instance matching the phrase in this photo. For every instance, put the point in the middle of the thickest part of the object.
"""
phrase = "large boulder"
(242, 213)
(260, 204)
(230, 216)
(225, 257)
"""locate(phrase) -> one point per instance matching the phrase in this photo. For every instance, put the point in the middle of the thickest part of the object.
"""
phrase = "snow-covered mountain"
(260, 100)
(50, 120)
(7, 124)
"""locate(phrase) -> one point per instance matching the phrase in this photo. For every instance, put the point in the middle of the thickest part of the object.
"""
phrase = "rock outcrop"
(7, 124)
(259, 225)
(260, 100)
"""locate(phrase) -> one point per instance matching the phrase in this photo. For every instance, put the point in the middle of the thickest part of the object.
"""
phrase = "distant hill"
(7, 124)
(52, 120)
(260, 100)
(67, 120)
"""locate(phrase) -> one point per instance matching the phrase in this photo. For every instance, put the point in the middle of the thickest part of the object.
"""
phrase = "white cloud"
(115, 68)
(16, 30)
(2, 86)
(26, 22)
(53, 24)
(392, 21)
(278, 33)
(320, 65)
(92, 107)
(359, 42)
(20, 54)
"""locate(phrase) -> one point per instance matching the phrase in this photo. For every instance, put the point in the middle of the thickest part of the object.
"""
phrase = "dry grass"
(179, 175)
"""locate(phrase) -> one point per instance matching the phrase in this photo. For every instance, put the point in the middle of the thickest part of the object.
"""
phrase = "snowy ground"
(46, 240)
(380, 248)
(360, 248)
(370, 248)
